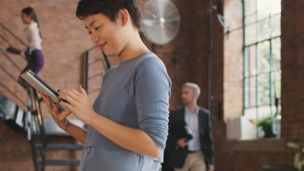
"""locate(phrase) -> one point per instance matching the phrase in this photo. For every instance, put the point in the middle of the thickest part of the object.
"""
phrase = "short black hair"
(109, 8)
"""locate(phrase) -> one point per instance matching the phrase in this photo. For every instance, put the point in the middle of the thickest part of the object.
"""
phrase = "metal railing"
(14, 64)
(41, 138)
(86, 63)
(34, 119)
(13, 34)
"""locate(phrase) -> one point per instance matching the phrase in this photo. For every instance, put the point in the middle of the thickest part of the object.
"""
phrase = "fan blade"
(149, 22)
(161, 7)
(160, 21)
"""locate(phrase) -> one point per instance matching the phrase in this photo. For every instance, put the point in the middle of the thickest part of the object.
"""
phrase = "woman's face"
(105, 33)
(25, 19)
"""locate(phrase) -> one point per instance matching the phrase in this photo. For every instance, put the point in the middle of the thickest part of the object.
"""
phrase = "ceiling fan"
(160, 21)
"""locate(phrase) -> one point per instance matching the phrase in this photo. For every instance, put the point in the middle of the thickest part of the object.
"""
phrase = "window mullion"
(271, 66)
(244, 55)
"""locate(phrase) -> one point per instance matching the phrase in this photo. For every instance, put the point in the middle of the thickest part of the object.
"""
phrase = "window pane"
(250, 34)
(263, 30)
(263, 57)
(250, 7)
(250, 11)
(264, 8)
(250, 92)
(251, 112)
(276, 84)
(251, 60)
(264, 111)
(275, 25)
(275, 6)
(276, 54)
(251, 19)
(263, 89)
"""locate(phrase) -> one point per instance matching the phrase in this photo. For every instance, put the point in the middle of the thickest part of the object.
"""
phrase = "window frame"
(245, 47)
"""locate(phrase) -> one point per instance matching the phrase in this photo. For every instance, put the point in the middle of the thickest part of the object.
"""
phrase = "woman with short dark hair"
(128, 122)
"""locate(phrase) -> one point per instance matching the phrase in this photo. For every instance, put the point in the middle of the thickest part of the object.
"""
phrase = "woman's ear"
(123, 17)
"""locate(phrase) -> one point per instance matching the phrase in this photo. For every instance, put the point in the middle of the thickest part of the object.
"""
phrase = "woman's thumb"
(81, 90)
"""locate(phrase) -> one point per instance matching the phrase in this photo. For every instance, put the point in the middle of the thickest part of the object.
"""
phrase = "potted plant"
(298, 161)
(266, 124)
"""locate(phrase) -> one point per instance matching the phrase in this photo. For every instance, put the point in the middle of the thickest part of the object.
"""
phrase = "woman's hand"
(78, 102)
(59, 117)
(13, 50)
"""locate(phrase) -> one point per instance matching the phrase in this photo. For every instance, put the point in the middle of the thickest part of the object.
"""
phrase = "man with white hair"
(189, 145)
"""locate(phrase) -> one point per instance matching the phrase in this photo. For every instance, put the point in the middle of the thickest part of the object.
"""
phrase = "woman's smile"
(102, 45)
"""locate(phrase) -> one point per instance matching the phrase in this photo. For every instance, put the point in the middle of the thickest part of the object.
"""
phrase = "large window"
(262, 57)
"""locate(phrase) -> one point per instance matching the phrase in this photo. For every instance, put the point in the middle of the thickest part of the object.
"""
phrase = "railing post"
(36, 111)
(85, 70)
(107, 60)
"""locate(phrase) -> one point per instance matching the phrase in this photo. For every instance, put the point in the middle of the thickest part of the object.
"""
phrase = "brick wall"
(233, 60)
(186, 57)
(14, 149)
(292, 70)
(250, 155)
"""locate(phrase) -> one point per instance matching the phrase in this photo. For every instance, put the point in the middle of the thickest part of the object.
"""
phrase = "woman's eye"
(97, 28)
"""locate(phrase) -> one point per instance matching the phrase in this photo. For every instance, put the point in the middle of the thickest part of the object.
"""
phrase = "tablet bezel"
(37, 83)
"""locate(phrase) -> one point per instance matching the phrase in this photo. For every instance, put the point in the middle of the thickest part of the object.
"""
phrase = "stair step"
(13, 125)
(61, 162)
(61, 146)
(52, 129)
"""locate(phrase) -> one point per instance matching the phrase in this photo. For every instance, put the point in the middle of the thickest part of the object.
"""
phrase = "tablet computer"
(37, 83)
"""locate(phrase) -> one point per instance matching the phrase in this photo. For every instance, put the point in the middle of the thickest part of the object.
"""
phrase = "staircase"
(18, 119)
(20, 110)
(11, 114)
(57, 147)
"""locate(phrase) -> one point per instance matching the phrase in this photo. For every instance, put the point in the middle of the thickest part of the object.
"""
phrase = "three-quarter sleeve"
(152, 92)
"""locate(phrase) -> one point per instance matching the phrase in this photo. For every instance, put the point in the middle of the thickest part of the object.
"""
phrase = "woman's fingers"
(55, 107)
(43, 97)
(76, 92)
(47, 102)
(67, 99)
(72, 93)
(54, 110)
(68, 106)
(63, 115)
(57, 115)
